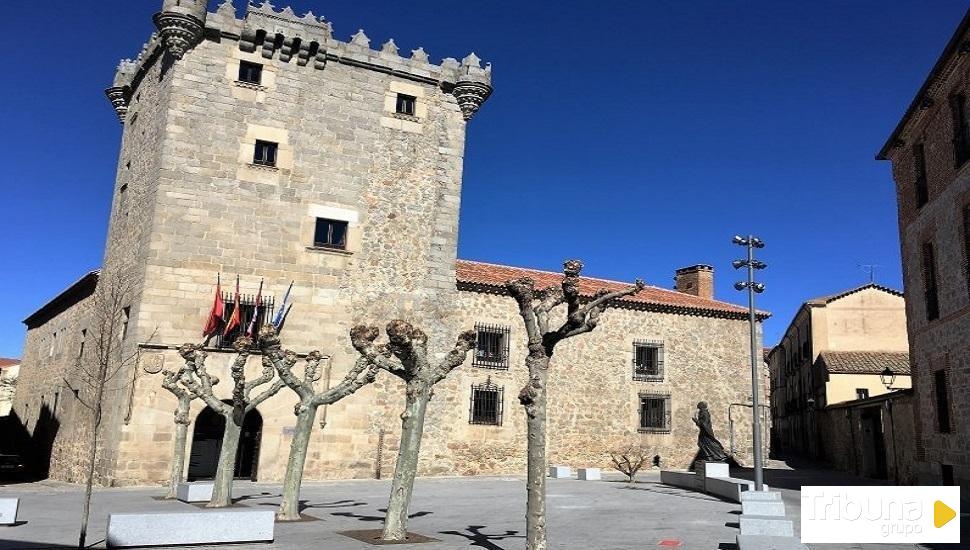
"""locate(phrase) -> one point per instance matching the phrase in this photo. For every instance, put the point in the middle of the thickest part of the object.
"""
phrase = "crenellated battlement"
(307, 40)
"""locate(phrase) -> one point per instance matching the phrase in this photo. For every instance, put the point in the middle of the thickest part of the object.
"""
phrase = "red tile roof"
(7, 362)
(864, 362)
(485, 277)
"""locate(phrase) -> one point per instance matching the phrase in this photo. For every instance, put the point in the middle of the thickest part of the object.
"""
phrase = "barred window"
(648, 361)
(919, 164)
(486, 404)
(655, 412)
(942, 401)
(265, 154)
(862, 393)
(330, 234)
(405, 104)
(247, 310)
(961, 130)
(930, 296)
(492, 347)
(251, 73)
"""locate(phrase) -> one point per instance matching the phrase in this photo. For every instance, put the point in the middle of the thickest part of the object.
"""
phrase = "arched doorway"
(207, 443)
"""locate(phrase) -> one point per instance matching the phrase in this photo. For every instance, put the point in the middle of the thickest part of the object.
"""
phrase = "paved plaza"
(462, 513)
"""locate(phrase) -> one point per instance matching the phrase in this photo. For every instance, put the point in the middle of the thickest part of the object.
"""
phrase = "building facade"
(929, 150)
(9, 370)
(259, 145)
(834, 351)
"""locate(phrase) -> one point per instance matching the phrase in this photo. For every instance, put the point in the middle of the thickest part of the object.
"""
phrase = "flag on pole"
(216, 313)
(281, 313)
(251, 331)
(233, 321)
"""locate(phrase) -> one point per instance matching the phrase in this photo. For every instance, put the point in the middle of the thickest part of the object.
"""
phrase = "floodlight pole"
(755, 409)
(753, 287)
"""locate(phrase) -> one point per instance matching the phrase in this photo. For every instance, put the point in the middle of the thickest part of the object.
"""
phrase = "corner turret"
(181, 24)
(120, 88)
(473, 86)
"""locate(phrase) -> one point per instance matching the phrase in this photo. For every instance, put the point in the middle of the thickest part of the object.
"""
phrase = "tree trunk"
(538, 465)
(92, 456)
(290, 506)
(178, 450)
(222, 486)
(412, 428)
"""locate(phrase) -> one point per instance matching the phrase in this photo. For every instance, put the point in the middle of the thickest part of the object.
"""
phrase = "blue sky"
(636, 135)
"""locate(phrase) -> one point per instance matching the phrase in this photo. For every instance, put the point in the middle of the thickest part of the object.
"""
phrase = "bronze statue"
(709, 449)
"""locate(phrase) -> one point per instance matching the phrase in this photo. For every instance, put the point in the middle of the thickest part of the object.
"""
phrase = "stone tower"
(259, 144)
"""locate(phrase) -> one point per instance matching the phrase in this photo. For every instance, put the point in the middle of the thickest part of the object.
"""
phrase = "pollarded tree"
(406, 356)
(200, 382)
(171, 382)
(582, 316)
(274, 356)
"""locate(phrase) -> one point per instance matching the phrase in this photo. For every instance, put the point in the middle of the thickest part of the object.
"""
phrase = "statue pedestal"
(713, 469)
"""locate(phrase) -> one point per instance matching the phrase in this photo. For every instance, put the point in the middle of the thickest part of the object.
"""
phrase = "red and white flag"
(216, 313)
(233, 321)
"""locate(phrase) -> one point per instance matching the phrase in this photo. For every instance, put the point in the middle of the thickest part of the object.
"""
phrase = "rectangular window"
(930, 293)
(862, 393)
(919, 164)
(942, 401)
(330, 234)
(491, 347)
(84, 339)
(946, 474)
(486, 404)
(648, 361)
(961, 136)
(405, 104)
(125, 316)
(53, 348)
(654, 413)
(251, 73)
(265, 154)
(247, 310)
(966, 245)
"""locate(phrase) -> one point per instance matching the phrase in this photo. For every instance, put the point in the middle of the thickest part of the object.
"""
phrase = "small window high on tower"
(405, 104)
(330, 234)
(251, 73)
(265, 154)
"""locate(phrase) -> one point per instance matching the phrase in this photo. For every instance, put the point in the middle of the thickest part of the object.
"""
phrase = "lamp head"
(758, 287)
(738, 264)
(740, 285)
(739, 240)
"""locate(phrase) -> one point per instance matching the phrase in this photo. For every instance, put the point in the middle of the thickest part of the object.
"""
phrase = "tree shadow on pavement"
(376, 518)
(660, 488)
(335, 504)
(475, 536)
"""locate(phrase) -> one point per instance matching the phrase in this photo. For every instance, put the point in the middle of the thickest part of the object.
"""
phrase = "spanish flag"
(216, 313)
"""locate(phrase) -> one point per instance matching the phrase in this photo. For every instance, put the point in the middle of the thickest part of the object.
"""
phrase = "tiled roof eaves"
(633, 305)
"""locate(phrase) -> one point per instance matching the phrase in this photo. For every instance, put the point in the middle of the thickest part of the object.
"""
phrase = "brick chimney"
(697, 280)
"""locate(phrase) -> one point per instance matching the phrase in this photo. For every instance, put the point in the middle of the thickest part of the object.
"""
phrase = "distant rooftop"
(864, 362)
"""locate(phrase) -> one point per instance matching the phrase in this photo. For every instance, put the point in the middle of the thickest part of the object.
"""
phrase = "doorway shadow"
(477, 538)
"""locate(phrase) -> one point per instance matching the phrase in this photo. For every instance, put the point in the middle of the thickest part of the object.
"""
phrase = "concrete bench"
(8, 510)
(730, 488)
(185, 528)
(682, 478)
(713, 469)
(560, 472)
(589, 474)
(194, 492)
(762, 503)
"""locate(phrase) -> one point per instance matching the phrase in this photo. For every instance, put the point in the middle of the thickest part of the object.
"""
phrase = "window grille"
(862, 393)
(961, 130)
(648, 361)
(942, 401)
(251, 73)
(492, 347)
(265, 154)
(486, 404)
(930, 296)
(330, 234)
(919, 164)
(655, 413)
(247, 304)
(405, 104)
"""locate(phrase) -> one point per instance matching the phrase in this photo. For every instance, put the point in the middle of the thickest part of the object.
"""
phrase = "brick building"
(929, 151)
(262, 146)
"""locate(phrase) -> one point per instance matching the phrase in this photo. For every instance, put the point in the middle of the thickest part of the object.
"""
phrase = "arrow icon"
(942, 514)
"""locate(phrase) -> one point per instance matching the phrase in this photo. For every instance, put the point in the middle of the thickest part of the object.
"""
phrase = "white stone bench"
(730, 488)
(589, 474)
(560, 472)
(772, 526)
(8, 510)
(764, 542)
(194, 492)
(185, 528)
(682, 479)
(762, 503)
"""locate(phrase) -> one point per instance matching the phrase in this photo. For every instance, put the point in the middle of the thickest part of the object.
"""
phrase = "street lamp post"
(751, 242)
